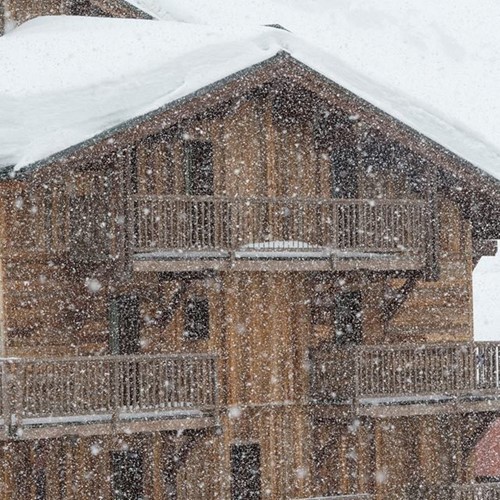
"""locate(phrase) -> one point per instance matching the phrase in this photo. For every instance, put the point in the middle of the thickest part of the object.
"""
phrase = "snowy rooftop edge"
(64, 110)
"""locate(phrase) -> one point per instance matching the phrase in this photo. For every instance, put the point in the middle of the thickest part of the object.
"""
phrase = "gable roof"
(109, 71)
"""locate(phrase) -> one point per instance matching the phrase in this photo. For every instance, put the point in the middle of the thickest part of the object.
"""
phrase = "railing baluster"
(445, 370)
(205, 223)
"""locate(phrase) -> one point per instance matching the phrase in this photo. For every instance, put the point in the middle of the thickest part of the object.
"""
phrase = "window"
(124, 335)
(245, 472)
(344, 174)
(199, 168)
(40, 484)
(127, 475)
(199, 180)
(348, 318)
(197, 318)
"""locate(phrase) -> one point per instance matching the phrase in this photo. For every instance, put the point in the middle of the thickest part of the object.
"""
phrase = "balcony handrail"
(183, 222)
(402, 346)
(305, 199)
(355, 496)
(111, 387)
(407, 370)
(117, 357)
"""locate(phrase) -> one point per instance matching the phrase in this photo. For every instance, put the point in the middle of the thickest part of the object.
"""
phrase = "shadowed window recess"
(197, 318)
(127, 475)
(245, 472)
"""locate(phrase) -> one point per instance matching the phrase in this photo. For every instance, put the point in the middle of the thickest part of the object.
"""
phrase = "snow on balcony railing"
(80, 389)
(220, 223)
(405, 370)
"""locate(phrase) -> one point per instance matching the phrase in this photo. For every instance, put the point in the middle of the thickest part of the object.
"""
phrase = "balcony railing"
(283, 224)
(478, 491)
(105, 388)
(406, 371)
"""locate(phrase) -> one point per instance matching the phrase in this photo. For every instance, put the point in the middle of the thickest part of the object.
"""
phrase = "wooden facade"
(16, 12)
(264, 291)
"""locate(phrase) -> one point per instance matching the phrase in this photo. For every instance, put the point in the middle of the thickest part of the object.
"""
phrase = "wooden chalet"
(263, 290)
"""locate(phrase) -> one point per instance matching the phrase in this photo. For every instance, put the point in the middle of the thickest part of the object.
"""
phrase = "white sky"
(443, 53)
(487, 299)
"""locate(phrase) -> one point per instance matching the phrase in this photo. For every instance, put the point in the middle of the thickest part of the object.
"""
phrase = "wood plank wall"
(261, 323)
(441, 310)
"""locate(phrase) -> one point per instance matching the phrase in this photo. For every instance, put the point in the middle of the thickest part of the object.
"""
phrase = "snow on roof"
(66, 79)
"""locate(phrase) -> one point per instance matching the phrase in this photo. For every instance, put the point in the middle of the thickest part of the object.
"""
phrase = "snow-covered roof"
(66, 79)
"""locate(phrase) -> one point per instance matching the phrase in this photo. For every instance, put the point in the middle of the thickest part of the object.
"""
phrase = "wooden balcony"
(191, 233)
(477, 491)
(397, 380)
(43, 398)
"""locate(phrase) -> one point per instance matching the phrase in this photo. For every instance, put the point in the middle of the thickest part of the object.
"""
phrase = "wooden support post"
(432, 242)
(157, 467)
(116, 390)
(365, 456)
(380, 467)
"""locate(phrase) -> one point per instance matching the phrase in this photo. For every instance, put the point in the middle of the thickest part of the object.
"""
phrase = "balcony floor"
(101, 424)
(430, 405)
(274, 260)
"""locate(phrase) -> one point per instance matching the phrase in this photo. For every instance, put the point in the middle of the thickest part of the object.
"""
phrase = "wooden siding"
(60, 272)
(20, 11)
(441, 310)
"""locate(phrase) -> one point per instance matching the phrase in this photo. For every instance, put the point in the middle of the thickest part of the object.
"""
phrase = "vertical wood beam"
(157, 486)
(365, 456)
(380, 468)
(271, 145)
(432, 241)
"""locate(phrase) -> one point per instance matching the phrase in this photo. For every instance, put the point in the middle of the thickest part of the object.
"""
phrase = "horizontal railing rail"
(477, 491)
(359, 496)
(90, 388)
(260, 224)
(406, 370)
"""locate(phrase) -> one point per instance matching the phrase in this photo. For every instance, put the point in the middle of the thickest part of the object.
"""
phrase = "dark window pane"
(344, 174)
(348, 318)
(127, 475)
(197, 318)
(245, 469)
(199, 168)
(124, 335)
(40, 484)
